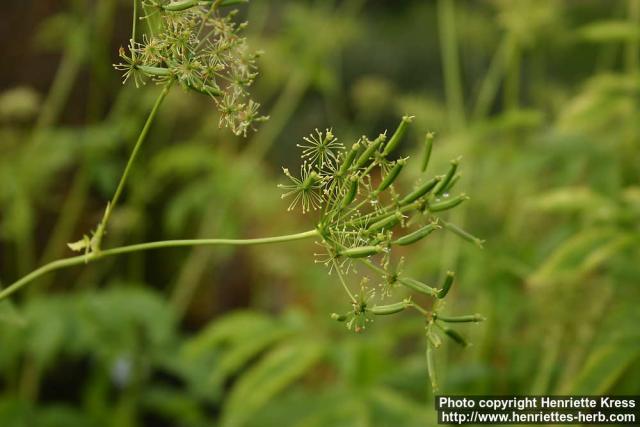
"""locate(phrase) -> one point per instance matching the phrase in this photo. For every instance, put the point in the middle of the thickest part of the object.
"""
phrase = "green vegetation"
(536, 102)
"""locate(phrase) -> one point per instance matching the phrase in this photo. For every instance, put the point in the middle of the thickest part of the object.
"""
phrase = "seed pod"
(448, 204)
(448, 281)
(417, 235)
(453, 182)
(311, 179)
(397, 135)
(368, 152)
(385, 223)
(351, 192)
(339, 317)
(428, 146)
(454, 335)
(431, 367)
(360, 251)
(417, 286)
(470, 318)
(348, 160)
(177, 6)
(442, 185)
(388, 309)
(391, 176)
(465, 235)
(421, 191)
(434, 339)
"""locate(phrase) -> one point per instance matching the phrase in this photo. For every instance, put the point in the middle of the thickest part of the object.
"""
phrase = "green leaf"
(604, 367)
(277, 370)
(610, 31)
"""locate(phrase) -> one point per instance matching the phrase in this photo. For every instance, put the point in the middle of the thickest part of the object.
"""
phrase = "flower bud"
(339, 317)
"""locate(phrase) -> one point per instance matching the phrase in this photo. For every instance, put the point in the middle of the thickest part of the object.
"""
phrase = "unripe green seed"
(339, 317)
(348, 161)
(454, 335)
(448, 204)
(428, 146)
(465, 235)
(361, 251)
(417, 235)
(397, 135)
(442, 185)
(434, 339)
(470, 318)
(311, 179)
(420, 191)
(385, 223)
(431, 367)
(448, 281)
(389, 309)
(453, 182)
(351, 192)
(417, 286)
(368, 152)
(180, 5)
(391, 176)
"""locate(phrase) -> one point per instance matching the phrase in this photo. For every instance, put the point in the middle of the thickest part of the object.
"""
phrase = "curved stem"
(85, 259)
(123, 179)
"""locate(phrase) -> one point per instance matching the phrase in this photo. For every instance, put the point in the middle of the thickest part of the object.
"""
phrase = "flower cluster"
(196, 46)
(363, 216)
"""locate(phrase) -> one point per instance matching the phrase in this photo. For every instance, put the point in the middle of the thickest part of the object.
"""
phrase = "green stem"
(123, 179)
(451, 63)
(85, 259)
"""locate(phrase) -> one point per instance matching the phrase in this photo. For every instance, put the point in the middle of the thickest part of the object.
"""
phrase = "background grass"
(539, 97)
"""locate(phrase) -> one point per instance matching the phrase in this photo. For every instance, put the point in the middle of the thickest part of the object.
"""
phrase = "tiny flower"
(321, 148)
(305, 190)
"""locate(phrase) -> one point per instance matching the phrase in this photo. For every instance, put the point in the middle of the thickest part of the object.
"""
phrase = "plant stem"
(94, 256)
(451, 63)
(123, 179)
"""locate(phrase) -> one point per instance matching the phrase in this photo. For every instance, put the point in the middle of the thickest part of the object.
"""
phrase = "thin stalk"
(344, 283)
(633, 45)
(123, 179)
(94, 256)
(451, 63)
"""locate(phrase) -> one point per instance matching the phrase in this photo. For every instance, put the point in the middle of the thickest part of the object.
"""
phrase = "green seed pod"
(448, 281)
(391, 176)
(431, 367)
(339, 317)
(177, 6)
(417, 235)
(388, 309)
(470, 318)
(397, 135)
(434, 339)
(348, 160)
(428, 146)
(420, 191)
(154, 71)
(442, 185)
(448, 204)
(368, 152)
(453, 182)
(361, 251)
(385, 223)
(351, 192)
(417, 286)
(454, 335)
(310, 180)
(465, 235)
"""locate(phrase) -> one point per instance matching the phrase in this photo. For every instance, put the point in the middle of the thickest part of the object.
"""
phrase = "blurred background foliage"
(541, 99)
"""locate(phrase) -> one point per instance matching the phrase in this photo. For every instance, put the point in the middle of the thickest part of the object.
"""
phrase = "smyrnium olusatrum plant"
(361, 213)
